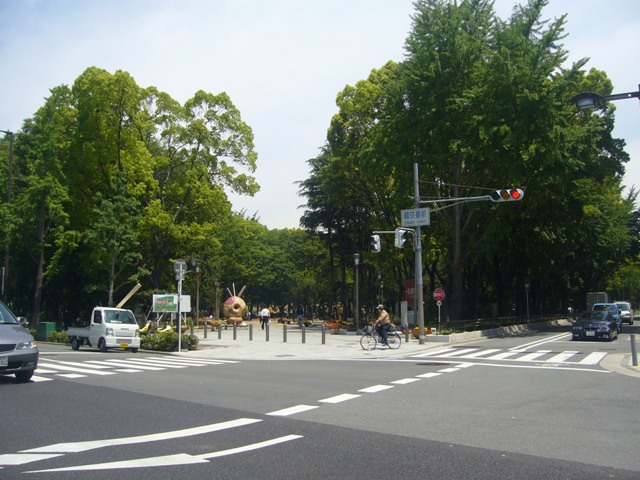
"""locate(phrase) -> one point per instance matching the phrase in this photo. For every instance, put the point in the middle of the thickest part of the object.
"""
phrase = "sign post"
(180, 267)
(438, 296)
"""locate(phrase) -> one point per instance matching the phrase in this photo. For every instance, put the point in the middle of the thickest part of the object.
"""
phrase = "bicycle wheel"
(394, 340)
(368, 342)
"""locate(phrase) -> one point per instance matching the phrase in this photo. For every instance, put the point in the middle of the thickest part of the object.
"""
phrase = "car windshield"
(120, 316)
(603, 307)
(623, 306)
(6, 317)
(593, 316)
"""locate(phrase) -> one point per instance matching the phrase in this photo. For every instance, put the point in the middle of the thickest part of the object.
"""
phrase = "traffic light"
(400, 238)
(507, 195)
(375, 243)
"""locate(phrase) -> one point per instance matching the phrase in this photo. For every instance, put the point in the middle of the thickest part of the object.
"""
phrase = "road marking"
(76, 447)
(482, 353)
(537, 343)
(435, 352)
(172, 460)
(376, 388)
(124, 363)
(503, 355)
(404, 381)
(449, 370)
(340, 398)
(593, 358)
(562, 357)
(429, 375)
(67, 368)
(285, 412)
(532, 356)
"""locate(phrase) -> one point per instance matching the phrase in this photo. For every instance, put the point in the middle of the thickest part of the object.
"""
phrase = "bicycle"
(370, 340)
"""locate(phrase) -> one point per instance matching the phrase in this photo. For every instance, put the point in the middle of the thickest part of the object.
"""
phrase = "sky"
(282, 62)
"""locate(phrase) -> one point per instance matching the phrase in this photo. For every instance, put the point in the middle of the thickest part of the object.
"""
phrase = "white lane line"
(449, 370)
(404, 381)
(339, 398)
(593, 358)
(76, 447)
(376, 388)
(71, 375)
(429, 375)
(37, 378)
(172, 460)
(285, 412)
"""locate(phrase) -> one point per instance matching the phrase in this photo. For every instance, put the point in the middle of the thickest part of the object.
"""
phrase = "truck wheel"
(102, 345)
(75, 344)
(134, 350)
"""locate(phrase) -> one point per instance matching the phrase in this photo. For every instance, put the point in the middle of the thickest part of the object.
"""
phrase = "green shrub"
(168, 342)
(58, 337)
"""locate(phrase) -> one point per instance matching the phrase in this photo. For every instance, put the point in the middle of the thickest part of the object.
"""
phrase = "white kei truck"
(108, 328)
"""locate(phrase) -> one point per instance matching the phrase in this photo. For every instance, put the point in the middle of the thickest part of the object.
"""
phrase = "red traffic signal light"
(507, 195)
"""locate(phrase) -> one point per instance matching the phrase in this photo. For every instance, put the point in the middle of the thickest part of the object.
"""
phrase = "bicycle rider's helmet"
(380, 307)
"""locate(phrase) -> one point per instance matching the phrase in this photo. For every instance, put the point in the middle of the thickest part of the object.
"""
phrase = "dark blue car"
(595, 324)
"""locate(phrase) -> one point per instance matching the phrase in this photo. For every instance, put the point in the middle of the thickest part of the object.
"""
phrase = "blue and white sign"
(416, 217)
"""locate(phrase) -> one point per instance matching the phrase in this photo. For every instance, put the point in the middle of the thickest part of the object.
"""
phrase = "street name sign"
(416, 217)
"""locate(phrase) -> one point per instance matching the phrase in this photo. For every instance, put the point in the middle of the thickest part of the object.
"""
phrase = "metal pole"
(418, 255)
(634, 353)
(356, 293)
(179, 312)
(284, 333)
(5, 271)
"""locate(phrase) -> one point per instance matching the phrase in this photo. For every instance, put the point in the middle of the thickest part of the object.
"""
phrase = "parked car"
(595, 324)
(18, 351)
(626, 312)
(609, 307)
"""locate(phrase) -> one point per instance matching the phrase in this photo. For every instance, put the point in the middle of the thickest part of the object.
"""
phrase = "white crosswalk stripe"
(49, 369)
(572, 357)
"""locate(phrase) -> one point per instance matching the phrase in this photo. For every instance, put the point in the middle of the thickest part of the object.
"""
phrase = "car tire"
(75, 344)
(102, 345)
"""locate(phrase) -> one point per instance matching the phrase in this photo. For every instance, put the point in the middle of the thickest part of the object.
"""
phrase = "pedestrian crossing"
(49, 369)
(571, 357)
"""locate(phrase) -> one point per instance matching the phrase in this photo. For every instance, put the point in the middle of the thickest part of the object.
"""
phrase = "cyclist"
(383, 324)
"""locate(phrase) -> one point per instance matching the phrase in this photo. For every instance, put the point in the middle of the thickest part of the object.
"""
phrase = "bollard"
(284, 333)
(235, 331)
(324, 334)
(304, 334)
(634, 352)
(251, 332)
(219, 332)
(267, 330)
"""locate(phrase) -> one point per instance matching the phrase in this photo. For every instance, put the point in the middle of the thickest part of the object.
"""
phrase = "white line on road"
(340, 398)
(285, 412)
(172, 460)
(376, 388)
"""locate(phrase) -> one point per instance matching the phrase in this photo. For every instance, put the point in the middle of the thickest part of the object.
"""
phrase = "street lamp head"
(356, 258)
(586, 100)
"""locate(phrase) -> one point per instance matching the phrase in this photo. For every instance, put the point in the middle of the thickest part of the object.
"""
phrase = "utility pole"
(5, 269)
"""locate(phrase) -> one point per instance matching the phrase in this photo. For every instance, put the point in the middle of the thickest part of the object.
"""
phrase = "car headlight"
(603, 328)
(25, 345)
(109, 332)
(137, 334)
(577, 327)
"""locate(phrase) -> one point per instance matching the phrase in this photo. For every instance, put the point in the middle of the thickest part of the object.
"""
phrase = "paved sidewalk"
(336, 346)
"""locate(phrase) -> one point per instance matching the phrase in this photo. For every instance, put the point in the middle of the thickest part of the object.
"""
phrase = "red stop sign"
(438, 294)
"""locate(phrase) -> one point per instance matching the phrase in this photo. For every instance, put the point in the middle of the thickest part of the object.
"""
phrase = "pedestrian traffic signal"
(400, 238)
(507, 195)
(375, 243)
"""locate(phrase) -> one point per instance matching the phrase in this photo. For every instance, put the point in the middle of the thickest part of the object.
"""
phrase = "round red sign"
(438, 294)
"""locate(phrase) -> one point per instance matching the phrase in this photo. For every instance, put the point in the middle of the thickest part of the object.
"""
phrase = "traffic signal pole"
(417, 238)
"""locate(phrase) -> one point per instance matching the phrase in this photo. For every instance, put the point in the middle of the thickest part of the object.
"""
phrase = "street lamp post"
(5, 269)
(588, 100)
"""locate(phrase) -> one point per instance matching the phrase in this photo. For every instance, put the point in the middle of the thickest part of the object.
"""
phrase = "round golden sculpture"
(234, 309)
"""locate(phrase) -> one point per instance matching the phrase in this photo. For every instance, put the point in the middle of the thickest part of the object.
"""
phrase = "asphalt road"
(495, 408)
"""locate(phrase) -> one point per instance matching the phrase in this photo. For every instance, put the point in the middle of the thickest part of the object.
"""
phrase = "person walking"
(264, 317)
(300, 316)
